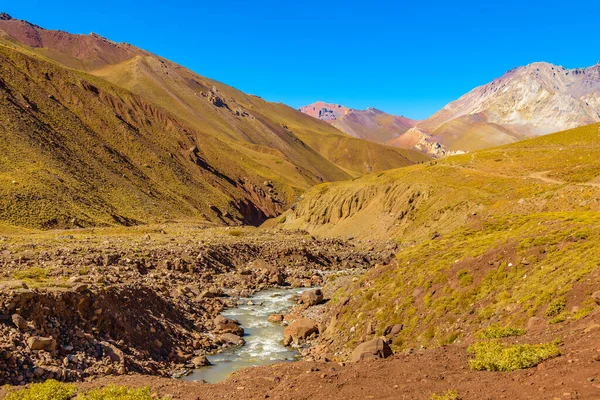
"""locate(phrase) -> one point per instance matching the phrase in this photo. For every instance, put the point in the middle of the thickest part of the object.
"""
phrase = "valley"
(166, 236)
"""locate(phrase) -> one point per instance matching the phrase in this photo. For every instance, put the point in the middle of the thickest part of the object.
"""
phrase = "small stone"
(20, 322)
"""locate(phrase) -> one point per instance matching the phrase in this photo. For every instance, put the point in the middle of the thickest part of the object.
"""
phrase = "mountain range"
(529, 101)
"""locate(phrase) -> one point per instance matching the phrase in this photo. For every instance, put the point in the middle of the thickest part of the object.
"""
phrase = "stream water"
(262, 337)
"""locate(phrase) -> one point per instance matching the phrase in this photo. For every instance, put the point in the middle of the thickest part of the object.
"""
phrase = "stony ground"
(135, 307)
(80, 304)
(415, 375)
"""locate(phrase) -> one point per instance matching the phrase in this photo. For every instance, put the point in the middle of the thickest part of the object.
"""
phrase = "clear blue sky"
(408, 58)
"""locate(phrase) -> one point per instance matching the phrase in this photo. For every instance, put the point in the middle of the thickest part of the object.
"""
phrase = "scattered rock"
(200, 361)
(230, 338)
(375, 348)
(300, 329)
(596, 297)
(275, 318)
(312, 297)
(226, 325)
(41, 343)
(20, 322)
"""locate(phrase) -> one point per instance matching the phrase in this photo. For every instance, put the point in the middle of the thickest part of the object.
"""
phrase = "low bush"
(112, 392)
(492, 355)
(54, 390)
(447, 395)
(497, 332)
(49, 390)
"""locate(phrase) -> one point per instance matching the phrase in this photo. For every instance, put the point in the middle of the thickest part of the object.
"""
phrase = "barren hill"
(529, 101)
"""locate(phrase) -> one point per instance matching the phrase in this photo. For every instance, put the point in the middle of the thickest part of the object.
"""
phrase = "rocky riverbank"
(93, 303)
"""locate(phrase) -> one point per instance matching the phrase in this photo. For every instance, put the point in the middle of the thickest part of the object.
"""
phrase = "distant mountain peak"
(5, 17)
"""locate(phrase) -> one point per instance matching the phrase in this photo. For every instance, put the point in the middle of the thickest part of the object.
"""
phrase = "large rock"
(275, 318)
(375, 348)
(200, 361)
(230, 338)
(312, 297)
(300, 329)
(112, 352)
(41, 343)
(226, 325)
(20, 322)
(596, 297)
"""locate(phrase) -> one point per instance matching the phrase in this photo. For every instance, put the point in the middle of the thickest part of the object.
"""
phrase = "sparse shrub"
(34, 274)
(283, 219)
(496, 332)
(556, 306)
(234, 232)
(492, 355)
(112, 392)
(464, 278)
(49, 390)
(447, 395)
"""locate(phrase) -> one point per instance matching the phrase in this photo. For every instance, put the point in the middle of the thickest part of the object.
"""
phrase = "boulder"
(20, 322)
(393, 330)
(375, 348)
(275, 318)
(226, 325)
(230, 338)
(41, 343)
(312, 297)
(200, 361)
(112, 352)
(300, 329)
(596, 297)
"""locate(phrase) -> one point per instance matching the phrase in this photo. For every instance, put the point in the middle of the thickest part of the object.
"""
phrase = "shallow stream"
(262, 337)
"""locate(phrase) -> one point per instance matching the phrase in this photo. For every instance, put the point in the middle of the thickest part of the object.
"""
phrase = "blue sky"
(404, 58)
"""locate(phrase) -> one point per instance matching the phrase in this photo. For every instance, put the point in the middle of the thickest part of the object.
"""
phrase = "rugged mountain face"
(528, 101)
(125, 136)
(377, 126)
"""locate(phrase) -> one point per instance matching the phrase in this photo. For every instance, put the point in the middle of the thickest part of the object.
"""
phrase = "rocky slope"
(376, 126)
(528, 101)
(137, 138)
(145, 300)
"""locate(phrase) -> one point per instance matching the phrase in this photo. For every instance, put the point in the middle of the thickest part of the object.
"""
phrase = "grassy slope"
(244, 143)
(518, 230)
(81, 151)
(179, 90)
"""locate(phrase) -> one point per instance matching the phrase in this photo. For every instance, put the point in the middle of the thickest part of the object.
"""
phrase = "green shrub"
(234, 232)
(447, 395)
(34, 274)
(464, 278)
(49, 390)
(113, 392)
(496, 332)
(494, 356)
(556, 306)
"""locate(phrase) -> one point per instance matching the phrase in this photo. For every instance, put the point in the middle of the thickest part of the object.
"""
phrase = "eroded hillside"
(158, 143)
(503, 237)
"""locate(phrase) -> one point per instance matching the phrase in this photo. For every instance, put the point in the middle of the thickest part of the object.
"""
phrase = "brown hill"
(158, 142)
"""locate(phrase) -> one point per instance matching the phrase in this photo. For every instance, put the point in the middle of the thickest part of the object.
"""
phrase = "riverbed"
(263, 338)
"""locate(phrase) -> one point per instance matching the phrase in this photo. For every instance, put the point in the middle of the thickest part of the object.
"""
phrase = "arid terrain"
(142, 205)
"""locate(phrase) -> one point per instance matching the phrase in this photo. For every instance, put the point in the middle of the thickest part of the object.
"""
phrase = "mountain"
(505, 237)
(537, 99)
(379, 127)
(370, 124)
(97, 132)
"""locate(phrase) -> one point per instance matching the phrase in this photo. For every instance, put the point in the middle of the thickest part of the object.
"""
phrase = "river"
(262, 337)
